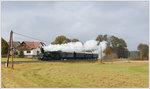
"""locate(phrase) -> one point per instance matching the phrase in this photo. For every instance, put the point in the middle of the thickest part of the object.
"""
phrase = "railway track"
(20, 62)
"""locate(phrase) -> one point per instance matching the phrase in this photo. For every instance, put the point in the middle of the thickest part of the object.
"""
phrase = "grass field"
(18, 59)
(77, 75)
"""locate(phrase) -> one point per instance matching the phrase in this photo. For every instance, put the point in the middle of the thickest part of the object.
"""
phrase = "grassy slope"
(84, 75)
(18, 59)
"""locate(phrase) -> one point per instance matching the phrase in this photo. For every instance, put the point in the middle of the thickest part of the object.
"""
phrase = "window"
(28, 51)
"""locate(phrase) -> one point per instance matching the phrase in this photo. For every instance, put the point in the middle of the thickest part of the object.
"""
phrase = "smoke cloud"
(88, 46)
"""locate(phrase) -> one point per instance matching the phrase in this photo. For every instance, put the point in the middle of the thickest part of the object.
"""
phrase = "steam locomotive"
(57, 55)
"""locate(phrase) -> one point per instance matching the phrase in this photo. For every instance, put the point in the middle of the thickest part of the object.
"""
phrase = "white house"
(31, 49)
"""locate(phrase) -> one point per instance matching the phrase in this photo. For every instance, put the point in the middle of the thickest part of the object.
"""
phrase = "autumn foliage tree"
(108, 53)
(144, 51)
(60, 40)
(119, 47)
(63, 40)
(74, 40)
(115, 46)
(133, 56)
(108, 50)
(101, 38)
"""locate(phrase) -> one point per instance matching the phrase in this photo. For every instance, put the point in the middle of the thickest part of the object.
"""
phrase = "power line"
(30, 37)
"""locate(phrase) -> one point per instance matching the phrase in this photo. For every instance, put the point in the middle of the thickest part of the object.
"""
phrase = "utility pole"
(10, 47)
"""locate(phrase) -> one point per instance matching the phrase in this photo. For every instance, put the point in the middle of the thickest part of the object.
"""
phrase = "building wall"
(25, 52)
(37, 49)
(33, 52)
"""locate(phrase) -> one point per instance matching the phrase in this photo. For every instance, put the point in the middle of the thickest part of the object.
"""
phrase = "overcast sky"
(81, 20)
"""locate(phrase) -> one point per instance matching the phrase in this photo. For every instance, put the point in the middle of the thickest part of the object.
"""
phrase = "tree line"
(116, 47)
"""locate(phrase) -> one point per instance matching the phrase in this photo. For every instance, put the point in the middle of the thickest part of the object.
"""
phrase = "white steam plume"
(90, 46)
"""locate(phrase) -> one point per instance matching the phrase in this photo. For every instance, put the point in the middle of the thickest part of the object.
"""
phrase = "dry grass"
(76, 75)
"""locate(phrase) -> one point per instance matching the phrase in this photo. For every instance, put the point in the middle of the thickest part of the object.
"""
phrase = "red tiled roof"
(30, 45)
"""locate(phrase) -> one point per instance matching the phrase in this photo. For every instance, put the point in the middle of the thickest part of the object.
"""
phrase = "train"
(58, 55)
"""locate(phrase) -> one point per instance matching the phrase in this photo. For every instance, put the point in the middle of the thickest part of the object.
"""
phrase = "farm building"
(31, 49)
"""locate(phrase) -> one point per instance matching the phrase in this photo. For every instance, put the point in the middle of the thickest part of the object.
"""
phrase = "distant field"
(77, 75)
(19, 59)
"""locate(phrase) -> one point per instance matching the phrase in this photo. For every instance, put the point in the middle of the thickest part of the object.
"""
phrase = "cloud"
(82, 20)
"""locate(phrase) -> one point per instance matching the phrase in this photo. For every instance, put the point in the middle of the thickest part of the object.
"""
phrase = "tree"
(101, 38)
(68, 40)
(21, 52)
(60, 40)
(108, 50)
(133, 56)
(119, 46)
(140, 46)
(63, 40)
(115, 46)
(105, 37)
(113, 55)
(144, 51)
(4, 47)
(74, 40)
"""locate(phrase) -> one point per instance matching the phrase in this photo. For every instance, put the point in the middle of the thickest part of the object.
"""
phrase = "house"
(16, 44)
(31, 49)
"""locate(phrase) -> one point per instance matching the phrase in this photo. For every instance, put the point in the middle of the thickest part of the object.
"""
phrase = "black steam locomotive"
(57, 55)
